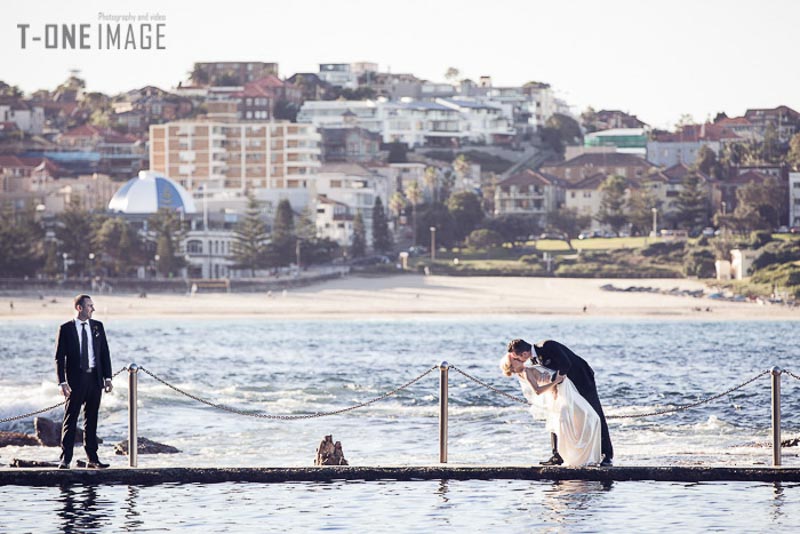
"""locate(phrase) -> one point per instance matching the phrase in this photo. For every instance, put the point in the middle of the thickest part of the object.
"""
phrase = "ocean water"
(292, 367)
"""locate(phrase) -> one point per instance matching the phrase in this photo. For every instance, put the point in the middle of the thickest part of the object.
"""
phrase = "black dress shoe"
(97, 464)
(556, 459)
(63, 465)
(606, 462)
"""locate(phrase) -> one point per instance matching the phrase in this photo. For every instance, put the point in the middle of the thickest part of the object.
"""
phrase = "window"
(194, 247)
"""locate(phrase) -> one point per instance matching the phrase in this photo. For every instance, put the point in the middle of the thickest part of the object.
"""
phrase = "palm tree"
(432, 181)
(414, 195)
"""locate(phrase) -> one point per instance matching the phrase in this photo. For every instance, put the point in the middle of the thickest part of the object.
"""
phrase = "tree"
(285, 110)
(483, 238)
(707, 163)
(438, 216)
(397, 153)
(466, 211)
(358, 246)
(640, 210)
(612, 205)
(760, 204)
(74, 231)
(397, 203)
(692, 202)
(452, 74)
(568, 222)
(414, 195)
(281, 250)
(168, 231)
(431, 179)
(199, 75)
(122, 250)
(250, 239)
(588, 119)
(515, 228)
(381, 238)
(771, 151)
(793, 157)
(461, 168)
(568, 127)
(21, 245)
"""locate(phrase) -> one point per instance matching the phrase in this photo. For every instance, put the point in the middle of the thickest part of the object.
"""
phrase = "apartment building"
(794, 199)
(269, 158)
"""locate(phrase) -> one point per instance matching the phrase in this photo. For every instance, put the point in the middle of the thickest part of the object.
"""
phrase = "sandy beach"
(416, 295)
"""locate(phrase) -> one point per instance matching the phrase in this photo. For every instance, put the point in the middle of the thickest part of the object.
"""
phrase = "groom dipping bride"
(561, 387)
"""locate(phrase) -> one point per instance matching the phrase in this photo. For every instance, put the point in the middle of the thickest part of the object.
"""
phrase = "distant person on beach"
(554, 355)
(83, 366)
(566, 413)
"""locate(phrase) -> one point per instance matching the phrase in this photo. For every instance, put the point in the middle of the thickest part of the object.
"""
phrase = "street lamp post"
(297, 253)
(156, 258)
(655, 221)
(91, 269)
(433, 243)
(64, 255)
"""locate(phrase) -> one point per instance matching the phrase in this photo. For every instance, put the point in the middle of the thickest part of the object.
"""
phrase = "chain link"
(791, 374)
(487, 386)
(43, 410)
(627, 416)
(290, 417)
(684, 407)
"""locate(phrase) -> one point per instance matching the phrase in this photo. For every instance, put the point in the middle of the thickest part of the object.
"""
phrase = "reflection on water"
(80, 509)
(405, 506)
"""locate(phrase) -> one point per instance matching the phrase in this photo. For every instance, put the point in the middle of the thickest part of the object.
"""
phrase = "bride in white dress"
(567, 414)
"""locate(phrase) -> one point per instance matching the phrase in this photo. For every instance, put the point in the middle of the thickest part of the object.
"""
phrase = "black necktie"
(84, 348)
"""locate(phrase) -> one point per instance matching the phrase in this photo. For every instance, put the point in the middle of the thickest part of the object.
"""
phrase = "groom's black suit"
(554, 355)
(87, 387)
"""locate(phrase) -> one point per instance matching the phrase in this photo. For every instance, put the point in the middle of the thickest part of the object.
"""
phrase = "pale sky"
(657, 59)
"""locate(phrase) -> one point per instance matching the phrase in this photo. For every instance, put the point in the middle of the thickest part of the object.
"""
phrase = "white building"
(341, 114)
(485, 123)
(27, 117)
(354, 187)
(794, 198)
(334, 221)
(338, 74)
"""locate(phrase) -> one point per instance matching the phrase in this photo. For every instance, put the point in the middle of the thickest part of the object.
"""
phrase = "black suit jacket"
(68, 352)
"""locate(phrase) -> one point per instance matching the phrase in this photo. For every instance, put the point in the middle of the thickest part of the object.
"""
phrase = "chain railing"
(45, 410)
(133, 369)
(289, 417)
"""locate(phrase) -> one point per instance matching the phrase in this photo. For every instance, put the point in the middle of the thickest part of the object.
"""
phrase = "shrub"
(759, 238)
(529, 259)
(484, 238)
(699, 262)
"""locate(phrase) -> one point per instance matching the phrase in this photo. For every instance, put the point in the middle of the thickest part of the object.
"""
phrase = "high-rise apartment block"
(228, 155)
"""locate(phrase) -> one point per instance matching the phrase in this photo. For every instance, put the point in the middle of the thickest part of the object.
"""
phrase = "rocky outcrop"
(17, 439)
(48, 432)
(18, 462)
(330, 453)
(145, 446)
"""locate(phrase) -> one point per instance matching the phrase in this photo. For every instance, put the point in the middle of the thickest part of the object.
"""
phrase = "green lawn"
(552, 245)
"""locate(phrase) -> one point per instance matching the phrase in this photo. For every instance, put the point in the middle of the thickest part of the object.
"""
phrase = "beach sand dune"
(409, 295)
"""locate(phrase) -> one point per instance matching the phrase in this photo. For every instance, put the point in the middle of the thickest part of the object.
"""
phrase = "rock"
(17, 462)
(48, 432)
(145, 446)
(330, 453)
(794, 442)
(17, 439)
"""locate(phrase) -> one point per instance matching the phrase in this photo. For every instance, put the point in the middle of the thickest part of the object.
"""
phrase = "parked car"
(551, 235)
(708, 231)
(794, 230)
(782, 230)
(417, 251)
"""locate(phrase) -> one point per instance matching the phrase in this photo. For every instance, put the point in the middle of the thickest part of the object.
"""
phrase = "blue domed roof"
(150, 192)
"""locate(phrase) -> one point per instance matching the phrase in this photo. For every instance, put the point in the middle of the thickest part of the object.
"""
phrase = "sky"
(657, 59)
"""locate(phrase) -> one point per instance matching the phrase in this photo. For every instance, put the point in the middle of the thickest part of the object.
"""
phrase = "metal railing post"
(443, 369)
(133, 424)
(776, 415)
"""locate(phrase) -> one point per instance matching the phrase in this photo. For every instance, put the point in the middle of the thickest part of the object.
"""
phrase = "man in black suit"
(83, 365)
(556, 356)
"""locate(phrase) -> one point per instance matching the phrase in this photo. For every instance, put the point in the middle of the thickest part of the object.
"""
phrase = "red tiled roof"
(530, 177)
(748, 177)
(84, 130)
(590, 182)
(605, 159)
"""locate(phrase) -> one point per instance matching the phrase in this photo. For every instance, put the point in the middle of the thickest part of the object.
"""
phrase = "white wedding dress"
(569, 416)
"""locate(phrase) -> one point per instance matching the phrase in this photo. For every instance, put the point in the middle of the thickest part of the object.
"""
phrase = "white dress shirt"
(79, 327)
